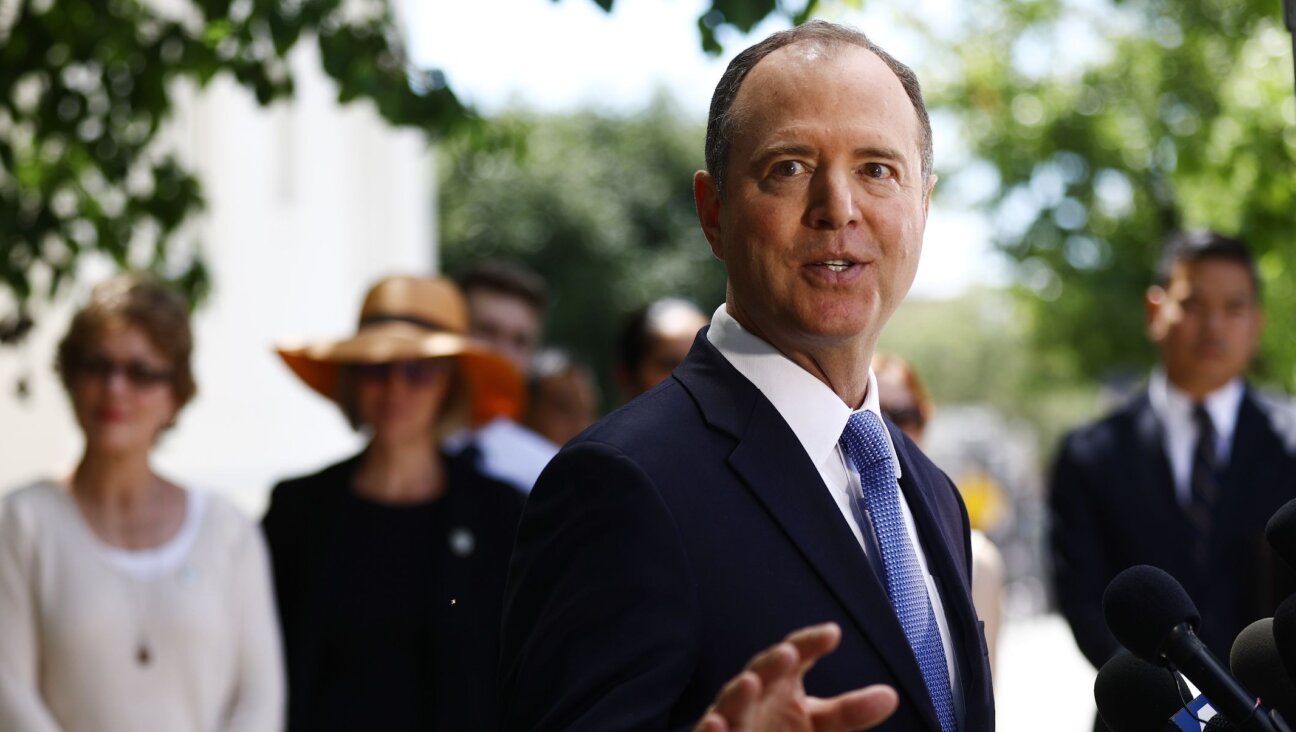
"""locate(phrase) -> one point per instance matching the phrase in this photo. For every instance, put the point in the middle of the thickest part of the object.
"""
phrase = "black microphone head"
(1284, 632)
(1256, 664)
(1281, 532)
(1142, 605)
(1136, 696)
(1219, 723)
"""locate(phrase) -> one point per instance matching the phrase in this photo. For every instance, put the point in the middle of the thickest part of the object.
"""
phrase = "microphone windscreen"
(1136, 696)
(1284, 631)
(1142, 605)
(1219, 723)
(1281, 532)
(1257, 665)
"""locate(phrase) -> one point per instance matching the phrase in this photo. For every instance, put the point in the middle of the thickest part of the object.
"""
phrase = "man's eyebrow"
(795, 149)
(782, 149)
(875, 151)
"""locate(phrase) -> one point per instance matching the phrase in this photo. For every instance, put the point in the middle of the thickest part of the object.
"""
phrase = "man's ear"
(931, 184)
(707, 200)
(1153, 302)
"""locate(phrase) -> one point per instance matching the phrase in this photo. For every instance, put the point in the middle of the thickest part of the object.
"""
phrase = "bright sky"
(569, 54)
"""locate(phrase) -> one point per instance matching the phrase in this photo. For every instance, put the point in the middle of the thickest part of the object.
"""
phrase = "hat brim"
(495, 387)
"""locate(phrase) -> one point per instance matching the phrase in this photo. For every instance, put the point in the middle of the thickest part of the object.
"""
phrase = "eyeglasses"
(138, 374)
(415, 373)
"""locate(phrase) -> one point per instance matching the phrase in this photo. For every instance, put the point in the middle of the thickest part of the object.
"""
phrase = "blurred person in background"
(1187, 473)
(653, 341)
(130, 603)
(389, 566)
(905, 401)
(506, 310)
(563, 397)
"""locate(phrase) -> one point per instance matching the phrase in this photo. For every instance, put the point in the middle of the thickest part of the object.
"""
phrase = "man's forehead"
(847, 69)
(1211, 272)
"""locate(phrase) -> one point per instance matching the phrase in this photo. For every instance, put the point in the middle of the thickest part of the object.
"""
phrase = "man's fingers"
(814, 642)
(855, 710)
(775, 662)
(734, 702)
(712, 722)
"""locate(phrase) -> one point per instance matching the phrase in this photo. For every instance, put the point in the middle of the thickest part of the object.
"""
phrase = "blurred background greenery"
(1088, 129)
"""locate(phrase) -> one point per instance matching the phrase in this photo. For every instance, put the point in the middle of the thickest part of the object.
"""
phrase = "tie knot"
(1202, 419)
(864, 439)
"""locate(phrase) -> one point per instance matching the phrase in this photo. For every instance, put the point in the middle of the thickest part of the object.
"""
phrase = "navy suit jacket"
(688, 531)
(1112, 504)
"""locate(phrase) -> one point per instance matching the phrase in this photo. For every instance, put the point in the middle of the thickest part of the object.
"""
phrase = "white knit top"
(180, 638)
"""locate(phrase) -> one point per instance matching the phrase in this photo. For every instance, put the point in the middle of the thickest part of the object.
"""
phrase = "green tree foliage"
(600, 206)
(1107, 125)
(85, 86)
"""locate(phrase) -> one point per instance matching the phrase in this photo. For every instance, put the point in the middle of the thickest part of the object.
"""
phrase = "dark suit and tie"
(755, 495)
(1186, 475)
(1114, 504)
(653, 563)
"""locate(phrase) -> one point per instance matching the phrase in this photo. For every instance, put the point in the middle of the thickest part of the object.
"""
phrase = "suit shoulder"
(1280, 412)
(1102, 436)
(308, 486)
(306, 497)
(466, 477)
(646, 419)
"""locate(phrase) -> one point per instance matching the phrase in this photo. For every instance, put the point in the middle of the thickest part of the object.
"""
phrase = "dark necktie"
(1204, 483)
(864, 442)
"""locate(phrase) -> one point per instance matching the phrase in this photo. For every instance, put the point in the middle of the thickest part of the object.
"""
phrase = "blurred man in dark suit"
(757, 494)
(1185, 476)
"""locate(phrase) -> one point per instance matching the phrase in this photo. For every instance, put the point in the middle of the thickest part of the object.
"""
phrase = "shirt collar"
(815, 413)
(1174, 406)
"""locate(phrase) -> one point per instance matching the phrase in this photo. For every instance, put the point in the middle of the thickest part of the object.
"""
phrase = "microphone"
(1284, 632)
(1281, 529)
(1257, 664)
(1151, 615)
(1136, 696)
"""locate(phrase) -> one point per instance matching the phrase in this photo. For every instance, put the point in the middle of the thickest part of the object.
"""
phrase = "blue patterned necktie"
(865, 444)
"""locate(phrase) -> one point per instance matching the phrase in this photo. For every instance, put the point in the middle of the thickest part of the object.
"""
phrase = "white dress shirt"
(818, 417)
(1173, 409)
(507, 451)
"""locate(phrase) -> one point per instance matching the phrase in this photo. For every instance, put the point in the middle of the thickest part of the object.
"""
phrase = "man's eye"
(876, 170)
(787, 168)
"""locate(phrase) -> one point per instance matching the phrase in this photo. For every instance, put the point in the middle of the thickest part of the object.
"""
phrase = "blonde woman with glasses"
(131, 603)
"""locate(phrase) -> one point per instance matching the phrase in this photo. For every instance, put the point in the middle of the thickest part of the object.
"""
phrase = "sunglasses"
(416, 373)
(137, 373)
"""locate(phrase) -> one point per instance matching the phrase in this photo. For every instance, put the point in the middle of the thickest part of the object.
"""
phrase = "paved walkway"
(1042, 682)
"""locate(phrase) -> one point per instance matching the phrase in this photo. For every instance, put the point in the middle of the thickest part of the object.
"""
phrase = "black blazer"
(305, 535)
(1112, 505)
(688, 531)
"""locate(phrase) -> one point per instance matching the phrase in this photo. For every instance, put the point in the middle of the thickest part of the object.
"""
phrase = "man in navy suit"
(1185, 476)
(756, 495)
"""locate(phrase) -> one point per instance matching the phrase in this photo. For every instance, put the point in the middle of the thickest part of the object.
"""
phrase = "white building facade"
(308, 202)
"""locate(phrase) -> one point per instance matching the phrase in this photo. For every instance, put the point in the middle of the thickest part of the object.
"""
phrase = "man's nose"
(832, 202)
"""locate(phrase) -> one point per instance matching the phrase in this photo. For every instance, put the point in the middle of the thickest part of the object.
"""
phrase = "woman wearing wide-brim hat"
(389, 566)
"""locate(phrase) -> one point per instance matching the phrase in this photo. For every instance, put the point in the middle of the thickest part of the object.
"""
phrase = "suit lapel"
(1253, 445)
(953, 578)
(781, 477)
(1150, 460)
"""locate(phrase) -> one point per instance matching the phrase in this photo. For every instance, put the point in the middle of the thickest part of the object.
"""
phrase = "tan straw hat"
(408, 318)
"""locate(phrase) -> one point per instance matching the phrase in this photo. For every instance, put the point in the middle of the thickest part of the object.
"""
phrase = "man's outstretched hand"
(769, 695)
